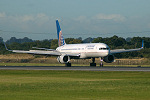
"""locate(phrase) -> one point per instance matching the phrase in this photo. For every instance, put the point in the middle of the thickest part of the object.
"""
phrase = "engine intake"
(109, 59)
(63, 59)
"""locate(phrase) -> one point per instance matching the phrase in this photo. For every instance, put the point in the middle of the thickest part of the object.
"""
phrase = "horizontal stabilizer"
(43, 49)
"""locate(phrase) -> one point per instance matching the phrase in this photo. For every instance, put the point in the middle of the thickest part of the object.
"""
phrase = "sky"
(35, 19)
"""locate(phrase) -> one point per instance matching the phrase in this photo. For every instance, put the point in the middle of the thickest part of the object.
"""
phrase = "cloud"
(31, 23)
(2, 14)
(80, 18)
(103, 17)
(26, 18)
(114, 17)
(86, 26)
(25, 21)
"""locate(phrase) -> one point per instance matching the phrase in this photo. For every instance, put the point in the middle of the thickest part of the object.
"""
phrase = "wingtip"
(142, 44)
(6, 47)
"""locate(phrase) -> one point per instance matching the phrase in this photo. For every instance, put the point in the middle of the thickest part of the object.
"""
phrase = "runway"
(75, 68)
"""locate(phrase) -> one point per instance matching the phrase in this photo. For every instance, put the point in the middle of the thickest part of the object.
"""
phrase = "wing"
(44, 51)
(52, 53)
(38, 52)
(124, 50)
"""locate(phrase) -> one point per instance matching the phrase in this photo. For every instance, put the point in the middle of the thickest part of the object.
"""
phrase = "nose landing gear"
(101, 63)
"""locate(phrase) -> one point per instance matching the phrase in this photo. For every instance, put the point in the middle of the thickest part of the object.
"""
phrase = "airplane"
(66, 52)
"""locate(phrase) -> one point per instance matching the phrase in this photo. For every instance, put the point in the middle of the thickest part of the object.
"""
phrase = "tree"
(88, 40)
(114, 42)
(73, 41)
(98, 40)
(54, 44)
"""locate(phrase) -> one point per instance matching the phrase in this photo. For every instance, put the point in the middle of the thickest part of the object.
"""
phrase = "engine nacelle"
(109, 58)
(63, 59)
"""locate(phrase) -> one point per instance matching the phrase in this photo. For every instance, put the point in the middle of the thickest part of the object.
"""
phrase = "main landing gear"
(94, 64)
(68, 64)
(91, 64)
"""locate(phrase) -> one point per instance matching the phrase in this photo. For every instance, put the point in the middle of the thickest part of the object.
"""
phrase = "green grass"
(74, 85)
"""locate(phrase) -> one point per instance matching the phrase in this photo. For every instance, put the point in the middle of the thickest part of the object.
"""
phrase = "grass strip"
(73, 85)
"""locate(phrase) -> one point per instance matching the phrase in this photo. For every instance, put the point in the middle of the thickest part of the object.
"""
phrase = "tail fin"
(61, 40)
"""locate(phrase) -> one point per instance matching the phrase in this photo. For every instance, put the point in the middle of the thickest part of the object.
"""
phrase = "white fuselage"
(87, 50)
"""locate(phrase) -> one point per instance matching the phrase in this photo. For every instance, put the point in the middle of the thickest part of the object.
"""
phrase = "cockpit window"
(103, 48)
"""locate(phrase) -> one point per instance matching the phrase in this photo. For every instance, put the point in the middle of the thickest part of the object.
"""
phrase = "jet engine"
(109, 58)
(63, 59)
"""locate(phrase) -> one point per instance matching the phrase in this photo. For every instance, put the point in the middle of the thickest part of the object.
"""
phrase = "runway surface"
(75, 68)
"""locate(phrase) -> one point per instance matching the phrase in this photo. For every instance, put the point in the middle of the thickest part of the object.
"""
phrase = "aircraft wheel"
(101, 64)
(68, 64)
(92, 64)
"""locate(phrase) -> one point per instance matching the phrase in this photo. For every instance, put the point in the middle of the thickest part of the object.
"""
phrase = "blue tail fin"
(61, 40)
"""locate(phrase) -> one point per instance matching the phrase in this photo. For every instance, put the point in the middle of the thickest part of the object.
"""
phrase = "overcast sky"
(78, 18)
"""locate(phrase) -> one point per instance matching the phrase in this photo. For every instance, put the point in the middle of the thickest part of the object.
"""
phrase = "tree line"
(114, 42)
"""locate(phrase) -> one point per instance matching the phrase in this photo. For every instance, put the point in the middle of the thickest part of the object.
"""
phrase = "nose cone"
(106, 53)
(103, 53)
(104, 50)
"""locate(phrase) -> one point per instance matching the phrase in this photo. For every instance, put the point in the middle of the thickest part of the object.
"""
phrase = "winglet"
(142, 44)
(6, 47)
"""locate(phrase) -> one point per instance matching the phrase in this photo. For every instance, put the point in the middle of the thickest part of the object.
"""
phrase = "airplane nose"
(107, 52)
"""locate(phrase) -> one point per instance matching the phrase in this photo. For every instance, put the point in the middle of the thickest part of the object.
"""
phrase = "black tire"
(101, 64)
(92, 64)
(68, 64)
